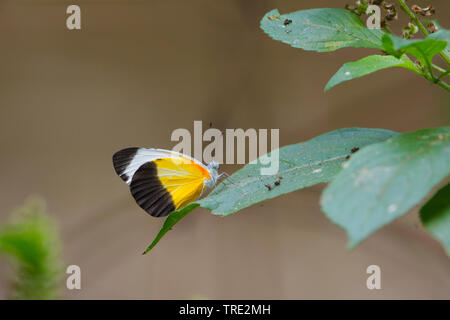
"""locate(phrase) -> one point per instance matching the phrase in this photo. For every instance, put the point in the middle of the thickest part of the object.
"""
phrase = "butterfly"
(162, 181)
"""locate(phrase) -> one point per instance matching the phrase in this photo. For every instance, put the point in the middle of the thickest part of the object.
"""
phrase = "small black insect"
(268, 186)
(277, 183)
(355, 149)
(347, 157)
(287, 22)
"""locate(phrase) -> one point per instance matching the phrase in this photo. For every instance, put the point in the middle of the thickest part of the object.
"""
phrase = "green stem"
(443, 74)
(413, 17)
(444, 85)
(445, 57)
(388, 30)
(430, 77)
(419, 24)
(438, 68)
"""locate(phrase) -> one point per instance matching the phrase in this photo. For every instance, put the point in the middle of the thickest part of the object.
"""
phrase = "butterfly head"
(213, 168)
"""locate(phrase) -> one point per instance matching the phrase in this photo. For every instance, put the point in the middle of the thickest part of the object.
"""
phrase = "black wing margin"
(122, 159)
(149, 192)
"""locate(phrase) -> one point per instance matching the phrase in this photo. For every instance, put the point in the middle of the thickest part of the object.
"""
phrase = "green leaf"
(385, 180)
(365, 66)
(321, 30)
(435, 216)
(423, 49)
(171, 220)
(300, 165)
(443, 35)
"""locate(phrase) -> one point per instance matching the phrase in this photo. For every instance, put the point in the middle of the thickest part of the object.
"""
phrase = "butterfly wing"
(164, 181)
(128, 161)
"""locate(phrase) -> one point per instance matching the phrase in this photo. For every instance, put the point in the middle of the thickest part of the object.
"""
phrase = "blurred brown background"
(140, 69)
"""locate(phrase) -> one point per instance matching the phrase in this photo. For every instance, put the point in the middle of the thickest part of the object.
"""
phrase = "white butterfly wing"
(128, 161)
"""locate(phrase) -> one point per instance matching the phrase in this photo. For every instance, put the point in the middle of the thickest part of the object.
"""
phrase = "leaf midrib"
(338, 28)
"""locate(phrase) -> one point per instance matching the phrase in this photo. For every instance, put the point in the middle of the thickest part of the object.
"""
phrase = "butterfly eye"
(213, 165)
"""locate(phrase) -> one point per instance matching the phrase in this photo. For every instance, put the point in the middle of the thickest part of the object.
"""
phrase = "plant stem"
(445, 57)
(443, 74)
(419, 24)
(388, 30)
(444, 85)
(438, 68)
(413, 17)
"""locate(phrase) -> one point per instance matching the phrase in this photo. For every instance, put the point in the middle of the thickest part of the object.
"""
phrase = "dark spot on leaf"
(355, 149)
(287, 22)
(347, 157)
(268, 186)
(277, 183)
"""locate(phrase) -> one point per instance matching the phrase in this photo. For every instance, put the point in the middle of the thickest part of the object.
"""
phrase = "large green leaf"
(435, 215)
(423, 49)
(300, 165)
(385, 180)
(321, 30)
(367, 65)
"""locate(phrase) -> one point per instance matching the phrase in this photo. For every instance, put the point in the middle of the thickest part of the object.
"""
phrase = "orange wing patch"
(182, 178)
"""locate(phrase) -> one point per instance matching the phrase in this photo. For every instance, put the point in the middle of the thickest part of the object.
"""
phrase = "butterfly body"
(162, 181)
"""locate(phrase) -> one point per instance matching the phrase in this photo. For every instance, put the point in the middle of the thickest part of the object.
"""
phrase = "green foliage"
(367, 65)
(435, 216)
(385, 180)
(32, 244)
(321, 30)
(391, 173)
(424, 50)
(301, 165)
(443, 35)
(326, 30)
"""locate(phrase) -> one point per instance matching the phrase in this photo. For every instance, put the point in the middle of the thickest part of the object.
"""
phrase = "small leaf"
(443, 35)
(435, 216)
(424, 49)
(300, 165)
(171, 220)
(385, 180)
(321, 30)
(365, 66)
